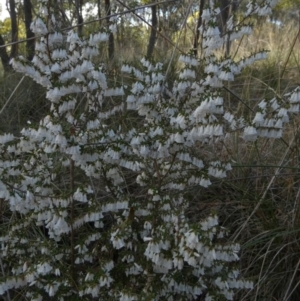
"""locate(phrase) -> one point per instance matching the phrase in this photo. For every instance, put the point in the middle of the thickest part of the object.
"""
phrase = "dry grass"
(259, 201)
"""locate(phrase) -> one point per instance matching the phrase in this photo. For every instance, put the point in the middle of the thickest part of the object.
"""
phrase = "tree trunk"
(227, 8)
(199, 23)
(225, 14)
(111, 43)
(14, 28)
(153, 34)
(78, 4)
(4, 56)
(99, 12)
(30, 44)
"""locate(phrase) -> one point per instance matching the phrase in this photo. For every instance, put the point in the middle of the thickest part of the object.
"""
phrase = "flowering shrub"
(99, 189)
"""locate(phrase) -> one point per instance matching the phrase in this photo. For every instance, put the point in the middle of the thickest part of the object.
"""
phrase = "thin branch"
(147, 23)
(11, 95)
(237, 97)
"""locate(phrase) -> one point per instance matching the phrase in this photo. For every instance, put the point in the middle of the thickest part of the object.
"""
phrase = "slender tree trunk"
(60, 13)
(122, 33)
(56, 9)
(4, 56)
(199, 23)
(228, 42)
(153, 34)
(227, 8)
(111, 43)
(99, 11)
(225, 14)
(14, 28)
(30, 44)
(78, 4)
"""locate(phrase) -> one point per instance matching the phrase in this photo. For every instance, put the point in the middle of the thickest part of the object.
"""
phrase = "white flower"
(206, 14)
(295, 97)
(178, 263)
(6, 138)
(61, 226)
(126, 69)
(51, 291)
(156, 198)
(264, 11)
(225, 75)
(250, 133)
(118, 243)
(100, 37)
(38, 27)
(89, 276)
(55, 38)
(246, 30)
(54, 94)
(212, 68)
(188, 60)
(187, 73)
(207, 106)
(147, 226)
(205, 182)
(259, 119)
(44, 268)
(57, 272)
(212, 32)
(55, 68)
(260, 56)
(191, 239)
(60, 140)
(79, 196)
(294, 108)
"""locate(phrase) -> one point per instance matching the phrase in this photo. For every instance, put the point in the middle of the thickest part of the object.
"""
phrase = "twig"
(146, 22)
(11, 95)
(236, 96)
